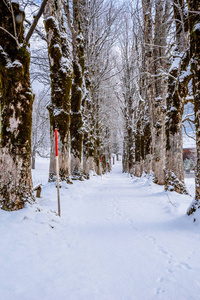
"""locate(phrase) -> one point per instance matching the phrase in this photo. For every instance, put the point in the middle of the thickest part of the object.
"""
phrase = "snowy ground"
(117, 239)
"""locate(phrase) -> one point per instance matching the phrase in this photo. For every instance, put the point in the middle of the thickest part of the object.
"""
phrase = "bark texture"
(160, 91)
(60, 62)
(194, 29)
(139, 149)
(87, 107)
(99, 160)
(88, 135)
(177, 91)
(128, 91)
(76, 128)
(16, 110)
(147, 83)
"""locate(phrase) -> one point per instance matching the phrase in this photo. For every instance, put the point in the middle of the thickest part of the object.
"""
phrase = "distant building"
(190, 153)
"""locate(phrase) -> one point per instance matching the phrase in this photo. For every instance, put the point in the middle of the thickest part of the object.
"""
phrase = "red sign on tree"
(56, 141)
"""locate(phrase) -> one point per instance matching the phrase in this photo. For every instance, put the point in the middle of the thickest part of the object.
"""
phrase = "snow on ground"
(118, 238)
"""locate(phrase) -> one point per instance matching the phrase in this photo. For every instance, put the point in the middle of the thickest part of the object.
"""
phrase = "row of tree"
(160, 76)
(78, 39)
(105, 61)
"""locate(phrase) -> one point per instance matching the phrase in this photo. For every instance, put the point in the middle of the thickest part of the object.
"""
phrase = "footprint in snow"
(170, 271)
(162, 250)
(160, 279)
(184, 266)
(160, 291)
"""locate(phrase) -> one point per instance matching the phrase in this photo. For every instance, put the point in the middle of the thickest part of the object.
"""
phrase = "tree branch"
(13, 17)
(71, 27)
(10, 34)
(36, 19)
(187, 118)
(191, 137)
(38, 32)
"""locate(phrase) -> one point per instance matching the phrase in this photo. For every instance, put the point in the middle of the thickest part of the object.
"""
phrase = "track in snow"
(129, 240)
(118, 238)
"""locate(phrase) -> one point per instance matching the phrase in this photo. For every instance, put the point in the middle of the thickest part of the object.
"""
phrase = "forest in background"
(114, 76)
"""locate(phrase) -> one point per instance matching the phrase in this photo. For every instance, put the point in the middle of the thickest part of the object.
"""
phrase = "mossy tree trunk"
(16, 110)
(87, 98)
(76, 128)
(139, 150)
(146, 85)
(128, 159)
(125, 156)
(130, 142)
(128, 91)
(174, 175)
(160, 90)
(125, 142)
(99, 157)
(131, 156)
(194, 29)
(60, 62)
(177, 91)
(88, 133)
(147, 146)
(107, 147)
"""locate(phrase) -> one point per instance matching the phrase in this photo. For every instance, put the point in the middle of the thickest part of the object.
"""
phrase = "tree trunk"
(194, 27)
(174, 174)
(177, 91)
(147, 147)
(130, 145)
(89, 136)
(88, 139)
(76, 128)
(99, 163)
(138, 150)
(33, 155)
(125, 157)
(160, 90)
(146, 83)
(16, 111)
(128, 102)
(61, 82)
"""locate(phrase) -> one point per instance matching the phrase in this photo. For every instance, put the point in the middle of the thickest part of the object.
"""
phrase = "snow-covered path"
(117, 239)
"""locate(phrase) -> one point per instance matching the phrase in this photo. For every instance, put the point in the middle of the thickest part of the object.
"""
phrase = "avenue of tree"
(119, 72)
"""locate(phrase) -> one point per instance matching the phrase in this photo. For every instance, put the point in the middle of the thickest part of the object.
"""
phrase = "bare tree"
(194, 30)
(102, 35)
(40, 144)
(177, 91)
(161, 29)
(60, 62)
(76, 127)
(146, 82)
(128, 94)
